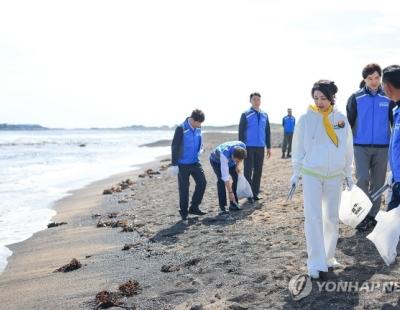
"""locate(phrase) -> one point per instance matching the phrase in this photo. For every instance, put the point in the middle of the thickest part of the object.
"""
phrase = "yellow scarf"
(327, 124)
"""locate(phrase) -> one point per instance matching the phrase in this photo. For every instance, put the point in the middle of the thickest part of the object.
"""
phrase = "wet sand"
(243, 260)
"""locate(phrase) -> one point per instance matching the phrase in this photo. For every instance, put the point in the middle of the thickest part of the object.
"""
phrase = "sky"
(82, 64)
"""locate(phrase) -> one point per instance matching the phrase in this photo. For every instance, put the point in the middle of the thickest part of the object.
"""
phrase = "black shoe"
(367, 224)
(283, 155)
(257, 198)
(250, 200)
(196, 211)
(183, 216)
(234, 207)
(363, 226)
(289, 156)
(223, 211)
(371, 222)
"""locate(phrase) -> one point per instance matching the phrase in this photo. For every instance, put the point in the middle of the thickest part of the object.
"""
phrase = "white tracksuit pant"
(321, 225)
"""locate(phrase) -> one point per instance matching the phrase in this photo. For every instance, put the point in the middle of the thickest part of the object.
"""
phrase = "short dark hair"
(391, 75)
(327, 87)
(239, 152)
(370, 69)
(254, 94)
(198, 115)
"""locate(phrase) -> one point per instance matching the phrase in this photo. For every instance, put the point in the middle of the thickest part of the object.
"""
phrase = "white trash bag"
(386, 234)
(173, 171)
(243, 189)
(354, 206)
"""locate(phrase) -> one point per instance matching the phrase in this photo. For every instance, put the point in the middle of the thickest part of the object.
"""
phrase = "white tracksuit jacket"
(323, 167)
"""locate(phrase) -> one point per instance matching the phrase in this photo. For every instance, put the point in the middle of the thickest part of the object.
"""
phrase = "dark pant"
(287, 143)
(371, 165)
(185, 171)
(221, 184)
(253, 166)
(395, 201)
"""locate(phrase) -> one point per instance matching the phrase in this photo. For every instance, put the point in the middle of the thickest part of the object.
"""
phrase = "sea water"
(37, 168)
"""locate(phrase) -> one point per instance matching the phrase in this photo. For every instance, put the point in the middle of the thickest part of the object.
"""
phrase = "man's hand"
(349, 183)
(268, 153)
(173, 171)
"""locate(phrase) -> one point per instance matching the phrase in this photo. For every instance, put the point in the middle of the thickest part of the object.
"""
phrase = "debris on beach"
(138, 224)
(114, 189)
(128, 228)
(104, 224)
(121, 223)
(123, 201)
(129, 246)
(54, 224)
(124, 224)
(149, 173)
(125, 184)
(165, 167)
(107, 192)
(113, 224)
(192, 262)
(129, 288)
(73, 265)
(119, 188)
(113, 215)
(169, 268)
(96, 215)
(105, 299)
(165, 159)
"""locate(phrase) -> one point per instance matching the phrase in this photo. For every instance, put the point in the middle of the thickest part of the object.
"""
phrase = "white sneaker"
(333, 263)
(314, 274)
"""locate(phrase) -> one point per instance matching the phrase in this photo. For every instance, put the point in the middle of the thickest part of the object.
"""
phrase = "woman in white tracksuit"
(322, 155)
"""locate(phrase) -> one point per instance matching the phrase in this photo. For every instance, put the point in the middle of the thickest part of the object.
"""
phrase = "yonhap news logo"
(300, 286)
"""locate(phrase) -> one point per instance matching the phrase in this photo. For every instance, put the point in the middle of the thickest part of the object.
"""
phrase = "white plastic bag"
(243, 189)
(354, 206)
(173, 171)
(386, 234)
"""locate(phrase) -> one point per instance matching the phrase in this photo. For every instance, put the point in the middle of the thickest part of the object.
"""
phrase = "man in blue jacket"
(224, 160)
(288, 123)
(391, 85)
(368, 115)
(254, 131)
(186, 146)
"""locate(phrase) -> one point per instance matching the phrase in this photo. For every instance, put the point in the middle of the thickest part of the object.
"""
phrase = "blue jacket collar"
(187, 124)
(254, 110)
(369, 92)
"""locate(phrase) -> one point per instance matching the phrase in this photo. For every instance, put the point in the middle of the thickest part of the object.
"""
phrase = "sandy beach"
(243, 260)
